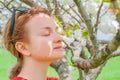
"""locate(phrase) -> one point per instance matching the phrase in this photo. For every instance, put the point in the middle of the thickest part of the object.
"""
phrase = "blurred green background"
(111, 71)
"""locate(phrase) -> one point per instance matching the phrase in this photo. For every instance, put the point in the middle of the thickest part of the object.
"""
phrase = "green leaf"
(76, 26)
(68, 32)
(85, 33)
(58, 22)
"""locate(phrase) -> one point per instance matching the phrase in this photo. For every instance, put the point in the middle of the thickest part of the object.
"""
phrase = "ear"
(22, 48)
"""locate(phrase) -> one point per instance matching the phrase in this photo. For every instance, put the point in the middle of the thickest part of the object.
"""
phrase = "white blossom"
(108, 24)
(68, 40)
(78, 34)
(91, 7)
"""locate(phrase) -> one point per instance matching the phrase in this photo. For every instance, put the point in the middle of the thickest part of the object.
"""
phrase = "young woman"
(31, 36)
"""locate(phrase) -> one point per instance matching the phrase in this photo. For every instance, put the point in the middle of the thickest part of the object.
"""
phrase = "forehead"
(41, 20)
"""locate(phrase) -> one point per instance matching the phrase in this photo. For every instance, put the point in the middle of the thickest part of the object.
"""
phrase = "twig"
(69, 13)
(95, 61)
(98, 15)
(57, 12)
(71, 7)
(69, 47)
(76, 12)
(84, 15)
(29, 2)
(9, 2)
(41, 4)
(115, 53)
(66, 10)
(48, 5)
(89, 47)
(6, 6)
(87, 21)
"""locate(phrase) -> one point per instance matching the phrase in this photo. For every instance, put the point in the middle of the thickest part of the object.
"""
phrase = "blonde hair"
(19, 35)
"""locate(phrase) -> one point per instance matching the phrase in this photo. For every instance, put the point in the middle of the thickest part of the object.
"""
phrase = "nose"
(57, 38)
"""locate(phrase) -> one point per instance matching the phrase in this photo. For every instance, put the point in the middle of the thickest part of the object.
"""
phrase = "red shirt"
(48, 78)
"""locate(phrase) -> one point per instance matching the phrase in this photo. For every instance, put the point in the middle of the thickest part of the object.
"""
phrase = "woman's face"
(44, 42)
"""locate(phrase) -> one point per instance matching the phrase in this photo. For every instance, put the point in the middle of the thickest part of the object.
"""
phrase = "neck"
(33, 70)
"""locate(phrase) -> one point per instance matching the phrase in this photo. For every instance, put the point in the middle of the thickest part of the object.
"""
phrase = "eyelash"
(47, 34)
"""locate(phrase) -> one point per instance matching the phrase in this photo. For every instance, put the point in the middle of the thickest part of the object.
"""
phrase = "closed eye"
(44, 32)
(47, 31)
(48, 34)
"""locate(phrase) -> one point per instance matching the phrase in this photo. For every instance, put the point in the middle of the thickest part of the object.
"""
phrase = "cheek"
(45, 48)
(41, 49)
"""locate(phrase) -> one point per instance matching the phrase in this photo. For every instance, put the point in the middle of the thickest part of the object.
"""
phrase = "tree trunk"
(90, 74)
(62, 68)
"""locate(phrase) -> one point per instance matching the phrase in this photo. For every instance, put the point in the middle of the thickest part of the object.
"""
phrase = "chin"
(60, 56)
(55, 58)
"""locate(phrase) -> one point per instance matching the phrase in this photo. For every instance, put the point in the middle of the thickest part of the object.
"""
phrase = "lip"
(58, 47)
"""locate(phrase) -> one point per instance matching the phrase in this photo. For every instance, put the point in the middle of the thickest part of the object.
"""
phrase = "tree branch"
(75, 12)
(48, 5)
(89, 47)
(98, 15)
(84, 15)
(67, 11)
(62, 68)
(87, 21)
(30, 3)
(115, 53)
(95, 61)
(69, 47)
(5, 6)
(57, 10)
(91, 73)
(9, 2)
(72, 8)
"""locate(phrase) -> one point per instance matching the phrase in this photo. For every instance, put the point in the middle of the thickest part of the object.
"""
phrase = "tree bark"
(62, 68)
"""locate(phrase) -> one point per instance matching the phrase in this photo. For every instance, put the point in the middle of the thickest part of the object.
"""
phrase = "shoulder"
(18, 78)
(52, 78)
